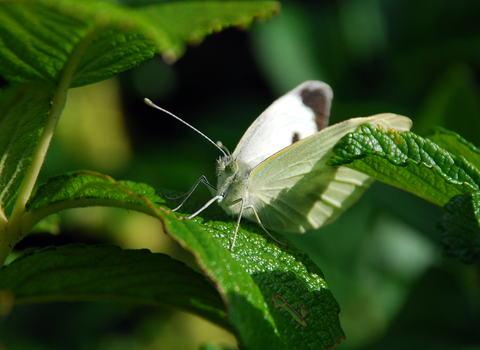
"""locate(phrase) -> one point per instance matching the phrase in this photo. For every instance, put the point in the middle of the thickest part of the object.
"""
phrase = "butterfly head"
(232, 183)
(226, 166)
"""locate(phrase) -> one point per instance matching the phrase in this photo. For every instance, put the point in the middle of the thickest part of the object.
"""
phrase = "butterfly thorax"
(233, 179)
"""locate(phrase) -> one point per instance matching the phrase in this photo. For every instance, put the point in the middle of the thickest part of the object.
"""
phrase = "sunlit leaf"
(246, 278)
(408, 161)
(455, 144)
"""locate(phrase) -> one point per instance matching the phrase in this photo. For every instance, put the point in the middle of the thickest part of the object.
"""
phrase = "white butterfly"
(277, 174)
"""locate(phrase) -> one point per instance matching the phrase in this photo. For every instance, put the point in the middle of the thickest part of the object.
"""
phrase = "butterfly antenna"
(221, 147)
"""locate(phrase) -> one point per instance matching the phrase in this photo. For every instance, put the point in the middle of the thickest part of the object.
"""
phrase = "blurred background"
(381, 259)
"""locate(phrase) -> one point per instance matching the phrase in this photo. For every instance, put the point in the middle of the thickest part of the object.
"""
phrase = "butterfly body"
(233, 185)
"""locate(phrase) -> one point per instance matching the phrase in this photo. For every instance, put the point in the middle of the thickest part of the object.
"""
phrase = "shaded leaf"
(80, 272)
(247, 278)
(177, 22)
(23, 112)
(39, 38)
(408, 161)
(460, 228)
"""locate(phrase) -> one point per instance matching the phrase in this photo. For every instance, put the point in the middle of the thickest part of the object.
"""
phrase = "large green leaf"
(81, 272)
(460, 228)
(251, 279)
(38, 38)
(408, 161)
(23, 111)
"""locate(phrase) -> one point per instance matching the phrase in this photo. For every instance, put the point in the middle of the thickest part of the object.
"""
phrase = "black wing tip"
(317, 96)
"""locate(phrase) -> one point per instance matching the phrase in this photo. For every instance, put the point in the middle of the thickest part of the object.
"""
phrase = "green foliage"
(247, 279)
(409, 162)
(448, 176)
(40, 37)
(58, 46)
(455, 144)
(460, 228)
(23, 113)
(81, 272)
(268, 296)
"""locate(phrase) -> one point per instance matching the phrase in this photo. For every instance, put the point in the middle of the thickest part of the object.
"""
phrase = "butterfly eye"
(231, 168)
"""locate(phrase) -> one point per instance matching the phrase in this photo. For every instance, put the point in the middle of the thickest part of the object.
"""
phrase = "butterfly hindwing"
(295, 191)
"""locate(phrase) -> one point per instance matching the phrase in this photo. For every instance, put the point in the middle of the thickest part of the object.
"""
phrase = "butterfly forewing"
(294, 116)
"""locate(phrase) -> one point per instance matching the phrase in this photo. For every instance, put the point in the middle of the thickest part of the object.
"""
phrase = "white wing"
(294, 116)
(295, 191)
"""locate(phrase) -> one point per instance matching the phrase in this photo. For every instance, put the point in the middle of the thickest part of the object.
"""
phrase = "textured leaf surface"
(460, 228)
(39, 37)
(457, 145)
(23, 111)
(409, 162)
(247, 278)
(81, 272)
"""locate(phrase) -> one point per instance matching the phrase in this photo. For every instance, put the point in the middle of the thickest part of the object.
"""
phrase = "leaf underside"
(23, 112)
(38, 38)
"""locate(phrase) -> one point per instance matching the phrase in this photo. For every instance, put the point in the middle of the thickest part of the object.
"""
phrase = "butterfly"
(277, 175)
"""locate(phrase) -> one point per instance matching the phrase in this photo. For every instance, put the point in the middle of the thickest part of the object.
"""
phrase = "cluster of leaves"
(268, 296)
(443, 169)
(49, 46)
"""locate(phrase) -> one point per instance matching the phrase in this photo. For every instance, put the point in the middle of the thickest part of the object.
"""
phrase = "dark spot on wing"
(295, 138)
(317, 100)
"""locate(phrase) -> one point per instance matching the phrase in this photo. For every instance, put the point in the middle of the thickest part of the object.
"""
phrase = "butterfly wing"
(295, 191)
(294, 116)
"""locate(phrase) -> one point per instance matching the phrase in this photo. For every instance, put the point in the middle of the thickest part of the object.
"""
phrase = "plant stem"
(11, 235)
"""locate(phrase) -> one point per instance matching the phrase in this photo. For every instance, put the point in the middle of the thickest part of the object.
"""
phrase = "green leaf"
(87, 188)
(460, 228)
(213, 347)
(408, 161)
(38, 38)
(246, 278)
(23, 111)
(455, 144)
(36, 41)
(106, 272)
(178, 22)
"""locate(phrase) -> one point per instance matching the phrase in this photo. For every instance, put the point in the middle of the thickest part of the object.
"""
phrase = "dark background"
(381, 258)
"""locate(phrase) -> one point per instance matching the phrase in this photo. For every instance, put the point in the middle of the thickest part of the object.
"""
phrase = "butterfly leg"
(261, 225)
(258, 220)
(202, 179)
(238, 222)
(216, 198)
